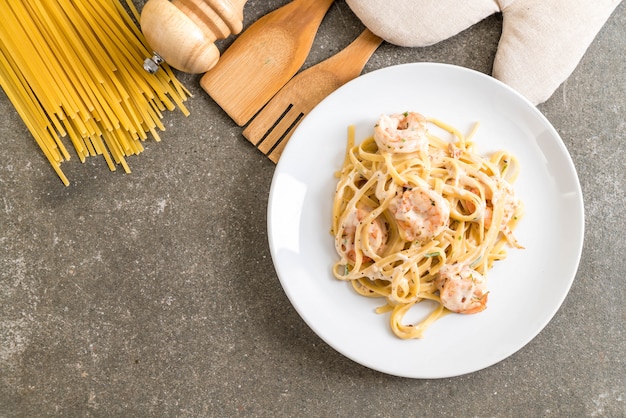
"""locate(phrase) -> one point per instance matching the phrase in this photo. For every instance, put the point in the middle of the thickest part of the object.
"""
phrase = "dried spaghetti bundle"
(72, 69)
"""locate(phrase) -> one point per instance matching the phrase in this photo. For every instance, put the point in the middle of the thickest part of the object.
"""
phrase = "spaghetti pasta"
(72, 68)
(419, 218)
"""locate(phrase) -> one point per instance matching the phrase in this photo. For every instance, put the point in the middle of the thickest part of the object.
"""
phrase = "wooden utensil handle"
(349, 62)
(183, 32)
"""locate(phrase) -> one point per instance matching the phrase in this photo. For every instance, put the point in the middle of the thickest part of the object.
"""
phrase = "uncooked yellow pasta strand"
(73, 68)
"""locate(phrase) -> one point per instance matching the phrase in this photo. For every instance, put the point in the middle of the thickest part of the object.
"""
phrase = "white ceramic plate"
(526, 289)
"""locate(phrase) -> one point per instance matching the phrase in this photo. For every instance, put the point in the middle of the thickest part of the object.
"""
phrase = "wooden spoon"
(263, 58)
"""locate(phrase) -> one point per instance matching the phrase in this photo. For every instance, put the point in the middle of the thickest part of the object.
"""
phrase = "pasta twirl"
(419, 218)
(73, 69)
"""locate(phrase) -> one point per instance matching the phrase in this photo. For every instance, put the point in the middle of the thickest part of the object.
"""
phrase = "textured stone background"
(154, 294)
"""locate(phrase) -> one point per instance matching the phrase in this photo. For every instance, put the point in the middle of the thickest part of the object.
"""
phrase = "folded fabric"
(541, 44)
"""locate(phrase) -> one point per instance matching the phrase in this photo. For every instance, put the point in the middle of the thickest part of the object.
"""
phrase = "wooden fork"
(272, 127)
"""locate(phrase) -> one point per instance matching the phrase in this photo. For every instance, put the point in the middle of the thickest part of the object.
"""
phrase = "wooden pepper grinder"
(182, 32)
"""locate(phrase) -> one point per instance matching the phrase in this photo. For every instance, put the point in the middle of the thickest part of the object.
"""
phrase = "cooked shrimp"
(507, 194)
(462, 289)
(401, 133)
(511, 204)
(376, 233)
(421, 213)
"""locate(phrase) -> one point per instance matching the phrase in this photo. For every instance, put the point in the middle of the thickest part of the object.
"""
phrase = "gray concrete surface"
(154, 293)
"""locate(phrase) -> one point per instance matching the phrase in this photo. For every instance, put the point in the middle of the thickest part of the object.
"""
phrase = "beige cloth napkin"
(541, 44)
